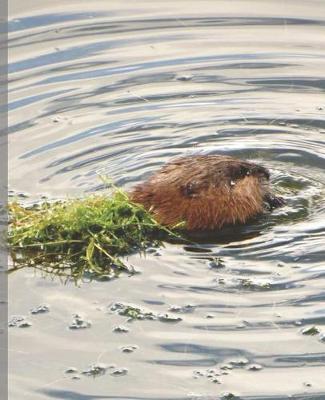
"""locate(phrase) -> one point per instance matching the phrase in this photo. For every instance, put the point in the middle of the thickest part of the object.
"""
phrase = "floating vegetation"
(78, 322)
(71, 370)
(254, 284)
(310, 331)
(188, 308)
(254, 367)
(168, 318)
(120, 329)
(129, 349)
(19, 321)
(247, 284)
(100, 369)
(240, 362)
(211, 374)
(216, 263)
(131, 312)
(81, 237)
(119, 372)
(136, 313)
(226, 367)
(41, 309)
(228, 396)
(314, 331)
(96, 370)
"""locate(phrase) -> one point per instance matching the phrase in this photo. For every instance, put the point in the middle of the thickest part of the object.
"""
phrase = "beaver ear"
(189, 190)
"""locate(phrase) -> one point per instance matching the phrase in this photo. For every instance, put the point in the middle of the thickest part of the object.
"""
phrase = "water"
(119, 89)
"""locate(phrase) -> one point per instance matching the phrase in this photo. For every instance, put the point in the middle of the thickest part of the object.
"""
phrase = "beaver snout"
(261, 172)
(206, 192)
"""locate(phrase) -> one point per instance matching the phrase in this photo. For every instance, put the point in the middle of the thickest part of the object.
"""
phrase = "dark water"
(119, 88)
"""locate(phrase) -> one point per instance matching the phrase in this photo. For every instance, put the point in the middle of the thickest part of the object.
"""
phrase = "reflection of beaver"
(206, 192)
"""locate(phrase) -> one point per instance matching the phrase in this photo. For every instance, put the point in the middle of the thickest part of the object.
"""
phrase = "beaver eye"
(238, 172)
(242, 172)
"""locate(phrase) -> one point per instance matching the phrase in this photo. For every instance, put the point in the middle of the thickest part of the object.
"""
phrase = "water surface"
(119, 88)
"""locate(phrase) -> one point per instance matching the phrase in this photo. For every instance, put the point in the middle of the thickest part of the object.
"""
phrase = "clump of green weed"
(81, 236)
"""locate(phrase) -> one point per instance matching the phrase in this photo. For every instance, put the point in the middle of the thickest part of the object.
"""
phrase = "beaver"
(206, 192)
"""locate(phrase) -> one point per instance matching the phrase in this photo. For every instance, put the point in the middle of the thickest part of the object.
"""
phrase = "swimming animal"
(206, 192)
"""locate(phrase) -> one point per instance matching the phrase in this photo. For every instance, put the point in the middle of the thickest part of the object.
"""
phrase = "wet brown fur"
(205, 192)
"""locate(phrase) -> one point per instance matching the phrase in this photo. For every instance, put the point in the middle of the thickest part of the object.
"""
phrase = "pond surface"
(118, 88)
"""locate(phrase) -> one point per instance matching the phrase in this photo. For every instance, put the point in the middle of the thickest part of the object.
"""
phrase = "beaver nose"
(261, 171)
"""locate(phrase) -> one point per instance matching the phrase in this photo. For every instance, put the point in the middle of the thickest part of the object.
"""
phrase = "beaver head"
(206, 192)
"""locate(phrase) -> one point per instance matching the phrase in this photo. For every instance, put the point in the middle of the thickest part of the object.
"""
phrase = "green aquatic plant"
(79, 237)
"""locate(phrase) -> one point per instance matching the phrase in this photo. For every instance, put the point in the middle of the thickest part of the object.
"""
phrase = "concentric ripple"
(119, 89)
